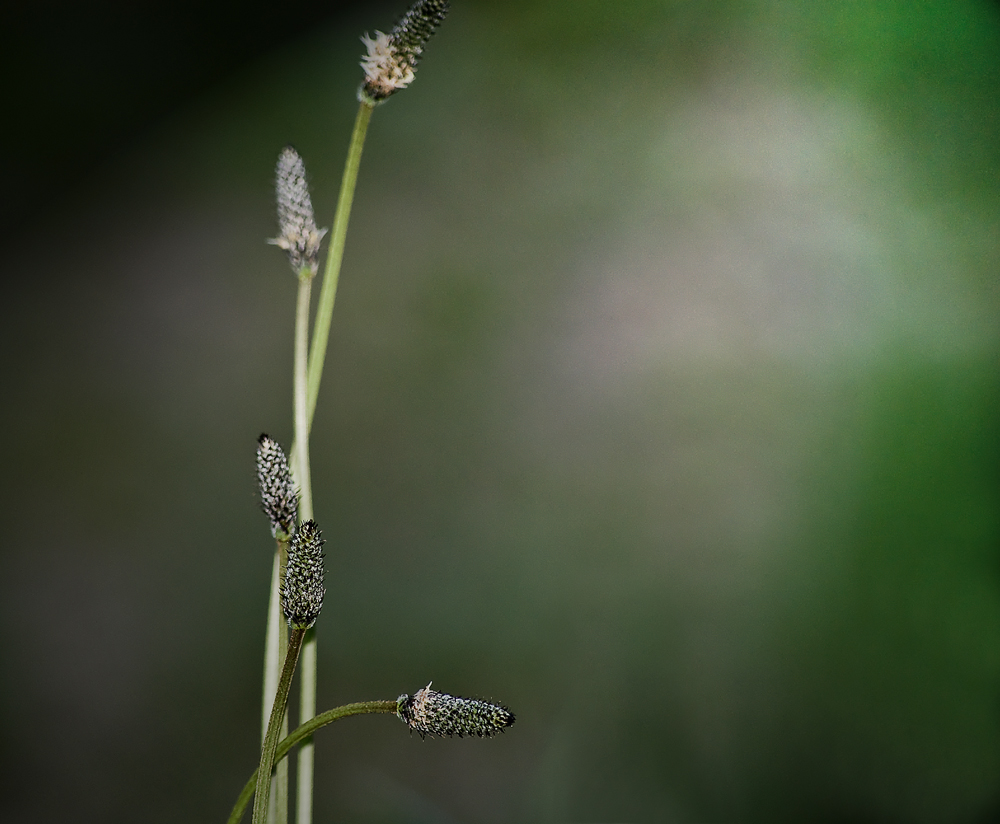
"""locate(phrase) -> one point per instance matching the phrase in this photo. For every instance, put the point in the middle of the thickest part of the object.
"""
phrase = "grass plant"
(297, 586)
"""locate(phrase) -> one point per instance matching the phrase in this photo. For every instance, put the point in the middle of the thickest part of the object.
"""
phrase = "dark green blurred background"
(662, 405)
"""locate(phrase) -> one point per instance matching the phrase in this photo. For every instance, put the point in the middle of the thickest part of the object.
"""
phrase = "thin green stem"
(306, 731)
(263, 791)
(275, 644)
(307, 709)
(307, 380)
(303, 477)
(272, 650)
(335, 255)
(300, 456)
(277, 629)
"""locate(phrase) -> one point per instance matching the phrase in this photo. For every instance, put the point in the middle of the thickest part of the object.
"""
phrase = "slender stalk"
(263, 790)
(277, 810)
(303, 478)
(307, 709)
(306, 731)
(300, 457)
(276, 641)
(272, 662)
(335, 255)
(307, 380)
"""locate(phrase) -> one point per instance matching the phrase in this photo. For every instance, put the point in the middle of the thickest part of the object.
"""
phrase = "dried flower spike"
(437, 713)
(392, 58)
(299, 235)
(278, 496)
(302, 589)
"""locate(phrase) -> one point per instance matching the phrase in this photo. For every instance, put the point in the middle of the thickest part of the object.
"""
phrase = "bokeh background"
(662, 405)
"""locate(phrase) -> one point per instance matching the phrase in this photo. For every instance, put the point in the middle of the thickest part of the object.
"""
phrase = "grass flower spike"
(392, 58)
(278, 495)
(299, 235)
(437, 713)
(302, 590)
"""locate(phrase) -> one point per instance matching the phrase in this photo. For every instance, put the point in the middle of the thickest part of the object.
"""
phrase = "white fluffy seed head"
(299, 236)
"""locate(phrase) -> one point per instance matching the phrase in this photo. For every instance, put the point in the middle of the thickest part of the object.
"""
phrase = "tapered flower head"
(299, 235)
(437, 713)
(278, 496)
(302, 589)
(392, 58)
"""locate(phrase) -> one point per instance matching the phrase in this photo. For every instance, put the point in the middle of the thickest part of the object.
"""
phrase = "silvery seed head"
(392, 58)
(302, 589)
(278, 496)
(299, 235)
(437, 713)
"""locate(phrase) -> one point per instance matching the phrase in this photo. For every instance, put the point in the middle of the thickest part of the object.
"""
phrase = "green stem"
(263, 791)
(302, 418)
(306, 731)
(303, 477)
(307, 386)
(277, 629)
(272, 650)
(307, 709)
(335, 255)
(275, 644)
